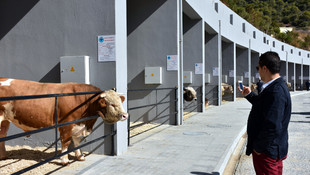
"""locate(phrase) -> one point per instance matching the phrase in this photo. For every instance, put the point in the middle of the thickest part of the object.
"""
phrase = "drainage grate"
(219, 126)
(195, 133)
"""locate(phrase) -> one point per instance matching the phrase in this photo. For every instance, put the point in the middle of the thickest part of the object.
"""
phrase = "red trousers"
(265, 165)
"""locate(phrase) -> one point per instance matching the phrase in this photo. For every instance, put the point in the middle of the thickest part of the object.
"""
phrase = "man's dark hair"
(271, 60)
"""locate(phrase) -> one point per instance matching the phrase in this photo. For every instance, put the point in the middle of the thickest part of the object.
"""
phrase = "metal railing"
(154, 105)
(57, 125)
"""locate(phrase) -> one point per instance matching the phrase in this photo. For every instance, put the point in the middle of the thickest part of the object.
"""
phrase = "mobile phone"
(240, 84)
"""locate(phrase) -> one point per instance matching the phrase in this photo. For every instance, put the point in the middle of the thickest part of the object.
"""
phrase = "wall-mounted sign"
(231, 73)
(198, 68)
(106, 48)
(215, 71)
(172, 62)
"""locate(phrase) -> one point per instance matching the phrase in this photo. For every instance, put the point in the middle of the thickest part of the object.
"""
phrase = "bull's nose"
(195, 99)
(124, 116)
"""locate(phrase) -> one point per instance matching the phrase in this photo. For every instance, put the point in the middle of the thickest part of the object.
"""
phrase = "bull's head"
(189, 94)
(111, 108)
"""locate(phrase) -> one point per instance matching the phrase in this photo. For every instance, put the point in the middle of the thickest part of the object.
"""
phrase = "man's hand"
(245, 91)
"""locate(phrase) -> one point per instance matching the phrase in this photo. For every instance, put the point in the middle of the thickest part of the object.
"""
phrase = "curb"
(220, 167)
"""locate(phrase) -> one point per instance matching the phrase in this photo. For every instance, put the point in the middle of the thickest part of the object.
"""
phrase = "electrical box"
(225, 78)
(207, 78)
(74, 69)
(187, 77)
(153, 75)
(240, 78)
(253, 79)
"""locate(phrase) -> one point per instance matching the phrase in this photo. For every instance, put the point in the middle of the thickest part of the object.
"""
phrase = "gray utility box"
(74, 69)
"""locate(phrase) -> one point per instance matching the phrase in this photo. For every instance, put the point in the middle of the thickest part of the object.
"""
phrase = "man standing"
(269, 117)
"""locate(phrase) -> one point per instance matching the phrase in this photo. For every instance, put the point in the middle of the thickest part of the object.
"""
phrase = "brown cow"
(39, 113)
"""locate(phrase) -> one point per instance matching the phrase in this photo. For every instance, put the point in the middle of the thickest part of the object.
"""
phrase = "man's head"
(269, 65)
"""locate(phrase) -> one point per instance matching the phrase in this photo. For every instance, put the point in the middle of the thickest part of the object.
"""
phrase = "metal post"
(56, 124)
(176, 105)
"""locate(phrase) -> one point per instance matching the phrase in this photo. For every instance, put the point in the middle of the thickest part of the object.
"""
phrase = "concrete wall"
(211, 57)
(291, 73)
(151, 37)
(35, 34)
(254, 63)
(192, 54)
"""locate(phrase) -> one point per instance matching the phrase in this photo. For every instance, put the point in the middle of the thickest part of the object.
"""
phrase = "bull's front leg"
(65, 137)
(78, 133)
(4, 126)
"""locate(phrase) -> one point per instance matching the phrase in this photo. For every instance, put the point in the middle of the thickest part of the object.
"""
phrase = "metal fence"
(155, 106)
(57, 125)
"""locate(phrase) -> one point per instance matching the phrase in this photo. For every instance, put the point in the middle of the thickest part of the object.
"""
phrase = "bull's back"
(37, 113)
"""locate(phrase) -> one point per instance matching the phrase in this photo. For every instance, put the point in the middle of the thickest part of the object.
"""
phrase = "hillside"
(269, 15)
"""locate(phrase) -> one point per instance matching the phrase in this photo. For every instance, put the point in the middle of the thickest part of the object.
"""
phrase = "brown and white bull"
(189, 94)
(39, 113)
(227, 89)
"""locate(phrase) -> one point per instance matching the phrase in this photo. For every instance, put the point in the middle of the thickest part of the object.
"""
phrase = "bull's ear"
(122, 98)
(102, 102)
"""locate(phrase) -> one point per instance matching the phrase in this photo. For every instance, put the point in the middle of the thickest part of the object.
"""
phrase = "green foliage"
(269, 15)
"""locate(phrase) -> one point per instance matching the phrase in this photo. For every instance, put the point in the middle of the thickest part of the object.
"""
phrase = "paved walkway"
(201, 146)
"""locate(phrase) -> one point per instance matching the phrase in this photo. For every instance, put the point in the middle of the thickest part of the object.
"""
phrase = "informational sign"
(198, 68)
(257, 75)
(106, 48)
(215, 71)
(246, 75)
(172, 62)
(231, 73)
(293, 78)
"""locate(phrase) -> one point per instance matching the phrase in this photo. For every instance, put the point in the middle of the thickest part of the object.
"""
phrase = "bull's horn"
(103, 95)
(120, 94)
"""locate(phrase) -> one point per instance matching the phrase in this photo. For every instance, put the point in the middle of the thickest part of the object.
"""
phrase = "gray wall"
(305, 75)
(211, 57)
(254, 63)
(283, 70)
(35, 34)
(192, 54)
(242, 64)
(152, 35)
(298, 77)
(227, 65)
(291, 73)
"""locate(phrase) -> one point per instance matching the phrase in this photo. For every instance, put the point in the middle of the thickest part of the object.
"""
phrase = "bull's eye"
(113, 105)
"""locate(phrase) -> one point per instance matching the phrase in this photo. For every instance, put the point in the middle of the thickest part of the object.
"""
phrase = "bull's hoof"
(81, 158)
(65, 164)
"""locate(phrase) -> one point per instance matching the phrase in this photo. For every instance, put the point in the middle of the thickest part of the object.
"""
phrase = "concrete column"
(286, 68)
(180, 55)
(203, 65)
(120, 139)
(294, 76)
(249, 64)
(219, 65)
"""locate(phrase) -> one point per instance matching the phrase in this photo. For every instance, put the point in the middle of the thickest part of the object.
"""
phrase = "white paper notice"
(257, 75)
(246, 74)
(215, 71)
(198, 68)
(172, 62)
(231, 73)
(106, 48)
